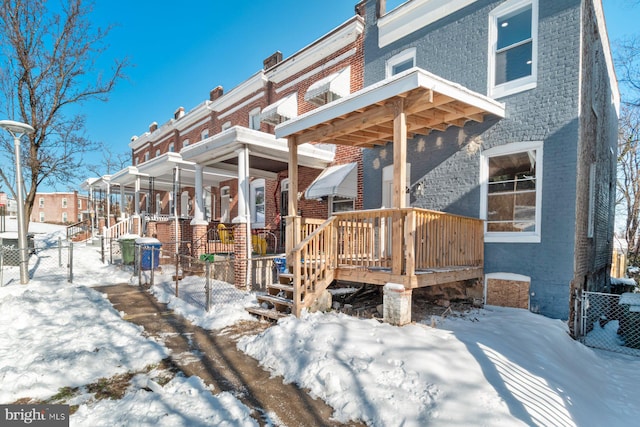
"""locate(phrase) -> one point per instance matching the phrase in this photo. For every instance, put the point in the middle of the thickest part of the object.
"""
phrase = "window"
(64, 217)
(226, 125)
(79, 217)
(158, 152)
(172, 148)
(41, 202)
(146, 156)
(254, 119)
(64, 203)
(137, 161)
(185, 143)
(79, 203)
(41, 216)
(225, 198)
(204, 134)
(340, 204)
(513, 47)
(512, 192)
(401, 62)
(257, 203)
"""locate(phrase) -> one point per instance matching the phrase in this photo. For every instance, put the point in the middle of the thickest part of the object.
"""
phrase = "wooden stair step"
(281, 287)
(266, 312)
(273, 299)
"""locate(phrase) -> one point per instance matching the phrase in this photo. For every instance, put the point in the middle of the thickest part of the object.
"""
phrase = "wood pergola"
(415, 102)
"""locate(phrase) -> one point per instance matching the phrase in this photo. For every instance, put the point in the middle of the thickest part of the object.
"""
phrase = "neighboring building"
(59, 207)
(543, 177)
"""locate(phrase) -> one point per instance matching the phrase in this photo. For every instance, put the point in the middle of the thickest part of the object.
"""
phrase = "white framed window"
(513, 47)
(64, 217)
(226, 125)
(158, 152)
(79, 217)
(401, 62)
(185, 143)
(184, 204)
(254, 119)
(41, 202)
(225, 199)
(137, 161)
(64, 203)
(79, 203)
(257, 203)
(204, 134)
(146, 156)
(511, 192)
(341, 204)
(41, 216)
(172, 148)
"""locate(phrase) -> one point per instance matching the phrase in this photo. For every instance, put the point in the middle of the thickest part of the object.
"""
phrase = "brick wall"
(53, 207)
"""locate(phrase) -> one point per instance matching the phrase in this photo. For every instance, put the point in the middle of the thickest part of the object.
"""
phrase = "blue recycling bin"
(149, 250)
(281, 264)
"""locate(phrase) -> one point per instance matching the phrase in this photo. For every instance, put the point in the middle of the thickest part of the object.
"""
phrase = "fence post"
(207, 269)
(137, 263)
(59, 251)
(1, 265)
(153, 267)
(71, 262)
(102, 249)
(177, 272)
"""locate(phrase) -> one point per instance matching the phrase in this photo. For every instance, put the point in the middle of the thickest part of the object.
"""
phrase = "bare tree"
(627, 60)
(629, 178)
(110, 162)
(47, 70)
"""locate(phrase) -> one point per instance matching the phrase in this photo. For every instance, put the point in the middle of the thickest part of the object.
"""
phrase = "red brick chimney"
(272, 60)
(179, 113)
(216, 93)
(153, 127)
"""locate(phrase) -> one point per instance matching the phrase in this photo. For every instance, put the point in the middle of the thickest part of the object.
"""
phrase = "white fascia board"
(323, 66)
(198, 113)
(409, 80)
(606, 47)
(126, 175)
(87, 183)
(251, 85)
(333, 41)
(139, 141)
(160, 165)
(414, 15)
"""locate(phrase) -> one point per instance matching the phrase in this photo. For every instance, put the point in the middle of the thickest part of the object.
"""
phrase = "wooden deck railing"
(402, 241)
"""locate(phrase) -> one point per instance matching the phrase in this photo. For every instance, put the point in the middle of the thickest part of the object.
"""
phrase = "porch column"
(293, 220)
(122, 205)
(242, 230)
(176, 190)
(400, 184)
(198, 224)
(137, 226)
(107, 218)
(91, 209)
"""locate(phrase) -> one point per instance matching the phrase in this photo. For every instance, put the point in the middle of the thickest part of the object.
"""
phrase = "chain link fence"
(611, 322)
(50, 260)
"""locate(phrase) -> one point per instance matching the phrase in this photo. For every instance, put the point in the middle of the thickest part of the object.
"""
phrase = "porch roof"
(267, 154)
(365, 118)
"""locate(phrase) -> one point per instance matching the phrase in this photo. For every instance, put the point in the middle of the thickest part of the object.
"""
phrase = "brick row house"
(60, 207)
(475, 146)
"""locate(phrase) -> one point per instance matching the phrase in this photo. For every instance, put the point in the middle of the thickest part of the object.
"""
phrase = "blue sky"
(181, 51)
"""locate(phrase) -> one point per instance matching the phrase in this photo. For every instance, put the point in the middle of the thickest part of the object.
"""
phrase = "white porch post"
(123, 214)
(400, 185)
(242, 233)
(107, 220)
(136, 202)
(91, 209)
(198, 211)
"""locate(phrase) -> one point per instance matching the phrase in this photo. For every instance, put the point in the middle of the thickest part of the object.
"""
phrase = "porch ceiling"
(365, 118)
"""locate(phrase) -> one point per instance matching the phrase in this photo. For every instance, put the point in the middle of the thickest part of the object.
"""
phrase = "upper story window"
(64, 202)
(204, 134)
(172, 148)
(41, 202)
(158, 152)
(513, 47)
(185, 143)
(254, 119)
(146, 156)
(226, 125)
(401, 62)
(512, 192)
(137, 161)
(79, 203)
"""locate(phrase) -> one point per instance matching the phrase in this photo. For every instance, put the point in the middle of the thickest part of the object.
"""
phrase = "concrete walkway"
(214, 357)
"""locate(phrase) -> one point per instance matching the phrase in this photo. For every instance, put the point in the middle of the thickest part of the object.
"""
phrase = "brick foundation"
(241, 262)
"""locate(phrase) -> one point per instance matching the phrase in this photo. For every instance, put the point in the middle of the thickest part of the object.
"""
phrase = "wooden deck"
(420, 279)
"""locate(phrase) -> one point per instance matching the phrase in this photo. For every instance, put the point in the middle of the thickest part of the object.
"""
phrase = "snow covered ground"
(492, 367)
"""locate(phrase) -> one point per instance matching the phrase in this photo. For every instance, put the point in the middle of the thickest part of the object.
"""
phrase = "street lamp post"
(17, 129)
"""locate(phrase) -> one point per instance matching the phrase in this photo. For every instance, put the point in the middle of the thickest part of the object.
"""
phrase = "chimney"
(153, 127)
(179, 113)
(272, 60)
(134, 137)
(360, 8)
(216, 93)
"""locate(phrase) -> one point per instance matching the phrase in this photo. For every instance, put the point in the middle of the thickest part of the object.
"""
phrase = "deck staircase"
(278, 299)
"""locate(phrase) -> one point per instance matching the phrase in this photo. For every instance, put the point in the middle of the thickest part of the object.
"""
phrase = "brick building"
(59, 207)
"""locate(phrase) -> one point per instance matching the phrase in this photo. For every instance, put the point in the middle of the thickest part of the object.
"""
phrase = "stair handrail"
(314, 260)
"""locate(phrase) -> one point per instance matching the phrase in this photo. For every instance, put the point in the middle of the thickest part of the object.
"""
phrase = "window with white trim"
(340, 204)
(512, 192)
(41, 216)
(226, 125)
(146, 156)
(257, 203)
(225, 199)
(401, 62)
(185, 143)
(172, 148)
(64, 203)
(513, 47)
(158, 152)
(254, 119)
(204, 134)
(79, 203)
(41, 202)
(64, 217)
